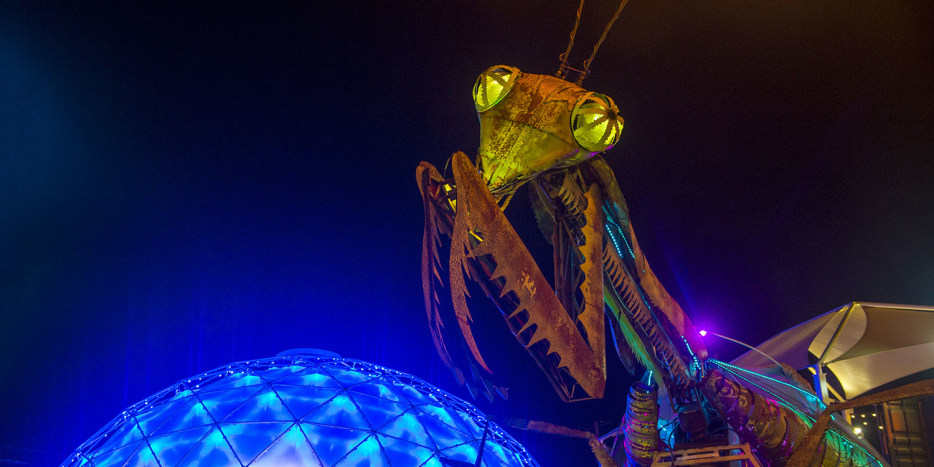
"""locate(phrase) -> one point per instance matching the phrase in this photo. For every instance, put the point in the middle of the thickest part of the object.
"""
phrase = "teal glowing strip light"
(830, 432)
(620, 253)
(619, 229)
(694, 360)
(734, 369)
(784, 403)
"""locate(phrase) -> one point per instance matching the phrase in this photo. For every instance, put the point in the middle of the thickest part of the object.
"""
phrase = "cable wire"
(563, 69)
(596, 46)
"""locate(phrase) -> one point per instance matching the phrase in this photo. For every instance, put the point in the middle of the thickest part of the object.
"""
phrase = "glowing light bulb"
(702, 333)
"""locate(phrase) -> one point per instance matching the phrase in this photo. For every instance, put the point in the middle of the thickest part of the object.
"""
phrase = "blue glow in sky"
(186, 186)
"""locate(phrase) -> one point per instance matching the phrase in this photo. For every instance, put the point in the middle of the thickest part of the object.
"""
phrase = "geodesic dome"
(302, 410)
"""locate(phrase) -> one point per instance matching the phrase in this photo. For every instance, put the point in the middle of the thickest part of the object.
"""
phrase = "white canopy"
(864, 345)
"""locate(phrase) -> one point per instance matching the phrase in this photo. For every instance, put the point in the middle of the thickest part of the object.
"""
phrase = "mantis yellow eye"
(595, 122)
(493, 85)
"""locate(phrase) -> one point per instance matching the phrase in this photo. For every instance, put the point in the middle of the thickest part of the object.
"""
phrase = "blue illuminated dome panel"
(301, 410)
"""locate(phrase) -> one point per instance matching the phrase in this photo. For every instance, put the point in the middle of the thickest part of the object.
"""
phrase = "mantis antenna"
(564, 67)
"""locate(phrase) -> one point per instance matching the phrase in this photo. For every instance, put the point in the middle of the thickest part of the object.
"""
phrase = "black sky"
(185, 186)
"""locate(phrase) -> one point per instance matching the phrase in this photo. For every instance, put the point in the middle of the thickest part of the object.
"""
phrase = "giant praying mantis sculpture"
(548, 133)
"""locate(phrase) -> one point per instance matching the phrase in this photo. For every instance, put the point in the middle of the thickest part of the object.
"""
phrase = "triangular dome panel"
(339, 411)
(369, 453)
(289, 449)
(211, 450)
(117, 456)
(312, 377)
(408, 427)
(171, 448)
(332, 443)
(221, 405)
(190, 415)
(151, 419)
(404, 453)
(379, 411)
(249, 440)
(301, 401)
(264, 406)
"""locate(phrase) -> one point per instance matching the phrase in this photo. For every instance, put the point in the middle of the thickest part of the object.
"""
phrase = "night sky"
(182, 187)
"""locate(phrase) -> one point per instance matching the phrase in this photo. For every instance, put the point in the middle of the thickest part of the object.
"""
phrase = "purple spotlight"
(702, 333)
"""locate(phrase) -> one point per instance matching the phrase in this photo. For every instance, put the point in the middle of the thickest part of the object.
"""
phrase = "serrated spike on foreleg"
(459, 293)
(498, 273)
(520, 274)
(514, 313)
(426, 175)
(536, 337)
(508, 286)
(591, 270)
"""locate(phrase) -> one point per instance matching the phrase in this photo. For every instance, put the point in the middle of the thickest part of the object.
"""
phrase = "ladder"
(713, 455)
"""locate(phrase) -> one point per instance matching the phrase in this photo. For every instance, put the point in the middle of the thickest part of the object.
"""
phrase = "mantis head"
(530, 124)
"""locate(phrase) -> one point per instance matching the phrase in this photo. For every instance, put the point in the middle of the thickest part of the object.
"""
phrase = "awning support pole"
(820, 383)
